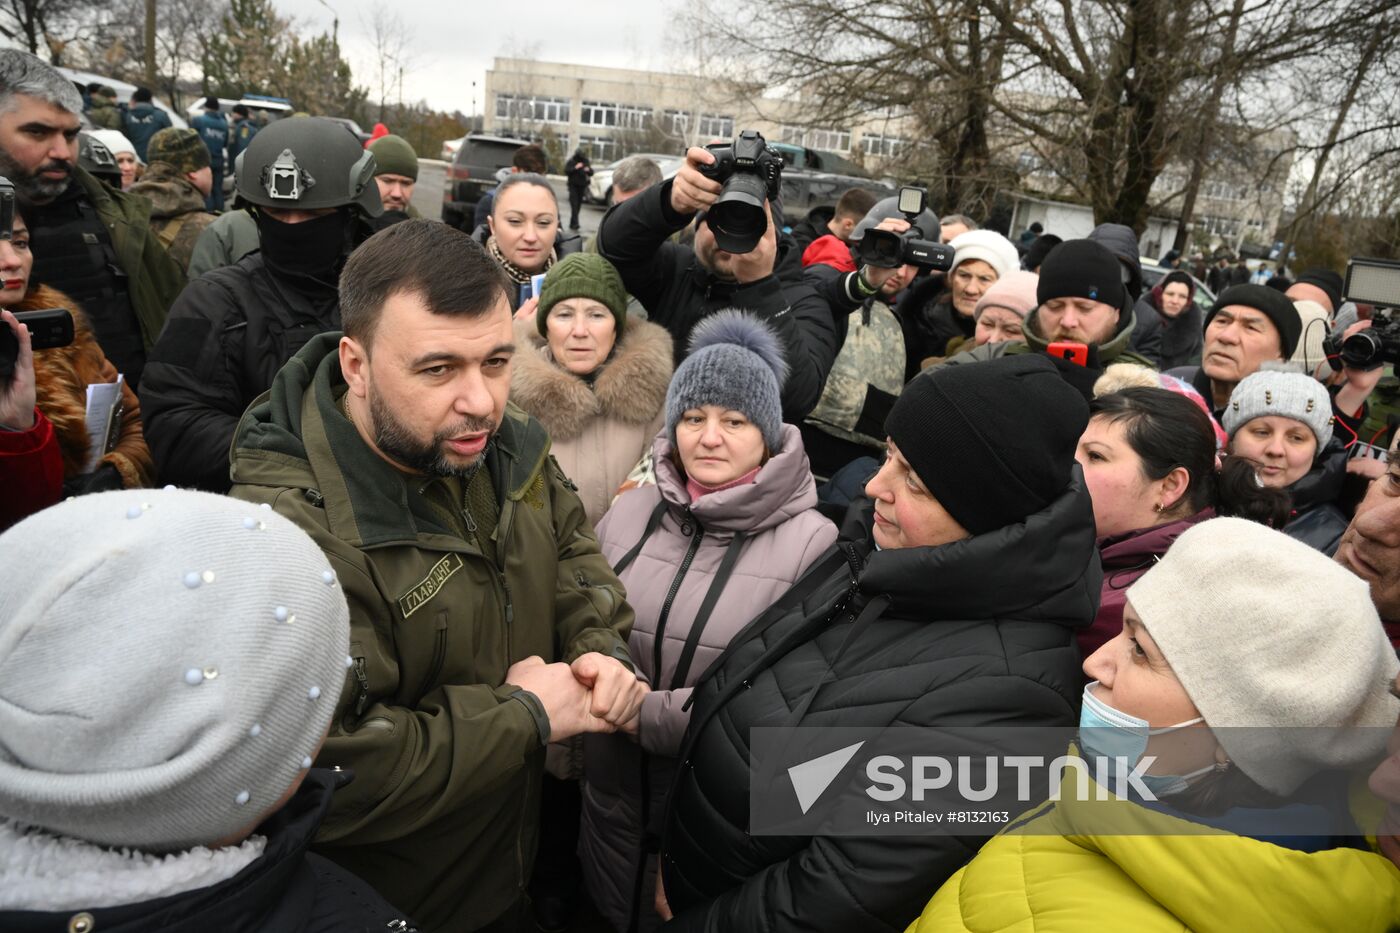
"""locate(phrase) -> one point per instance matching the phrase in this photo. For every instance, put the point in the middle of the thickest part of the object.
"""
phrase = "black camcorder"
(48, 328)
(1375, 282)
(885, 249)
(751, 173)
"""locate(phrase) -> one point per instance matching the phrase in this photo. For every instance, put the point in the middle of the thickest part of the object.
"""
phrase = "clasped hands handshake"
(596, 693)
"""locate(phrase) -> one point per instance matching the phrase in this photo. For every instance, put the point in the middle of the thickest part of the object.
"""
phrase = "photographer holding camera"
(735, 262)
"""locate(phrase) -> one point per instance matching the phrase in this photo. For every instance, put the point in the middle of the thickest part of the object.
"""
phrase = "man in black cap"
(1083, 300)
(1321, 285)
(241, 132)
(213, 129)
(1249, 325)
(142, 120)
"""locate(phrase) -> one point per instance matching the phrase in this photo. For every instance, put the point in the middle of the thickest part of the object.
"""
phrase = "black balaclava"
(310, 252)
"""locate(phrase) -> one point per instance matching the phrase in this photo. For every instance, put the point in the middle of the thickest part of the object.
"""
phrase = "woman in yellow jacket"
(1237, 625)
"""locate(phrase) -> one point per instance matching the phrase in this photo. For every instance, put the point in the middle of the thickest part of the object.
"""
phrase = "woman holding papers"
(113, 454)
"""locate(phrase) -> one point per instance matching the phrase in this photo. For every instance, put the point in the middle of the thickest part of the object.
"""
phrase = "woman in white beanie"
(1282, 423)
(1237, 626)
(169, 666)
(981, 258)
(124, 152)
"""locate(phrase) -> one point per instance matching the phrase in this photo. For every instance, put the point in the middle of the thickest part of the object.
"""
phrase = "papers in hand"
(104, 415)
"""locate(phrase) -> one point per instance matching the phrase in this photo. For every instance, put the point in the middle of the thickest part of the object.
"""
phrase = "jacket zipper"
(363, 679)
(675, 588)
(502, 542)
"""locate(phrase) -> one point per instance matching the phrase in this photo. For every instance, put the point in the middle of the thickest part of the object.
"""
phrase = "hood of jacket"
(629, 387)
(1051, 556)
(1120, 240)
(829, 250)
(169, 191)
(784, 487)
(1109, 350)
(197, 890)
(1143, 545)
(295, 436)
(1323, 483)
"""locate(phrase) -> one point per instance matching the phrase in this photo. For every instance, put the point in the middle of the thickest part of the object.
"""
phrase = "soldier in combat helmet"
(312, 193)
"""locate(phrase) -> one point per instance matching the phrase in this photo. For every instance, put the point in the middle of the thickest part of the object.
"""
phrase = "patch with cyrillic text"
(428, 587)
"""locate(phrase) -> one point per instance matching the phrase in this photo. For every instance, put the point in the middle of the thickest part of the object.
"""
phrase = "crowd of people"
(431, 579)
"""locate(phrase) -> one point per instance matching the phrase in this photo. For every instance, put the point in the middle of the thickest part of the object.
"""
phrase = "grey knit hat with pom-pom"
(736, 361)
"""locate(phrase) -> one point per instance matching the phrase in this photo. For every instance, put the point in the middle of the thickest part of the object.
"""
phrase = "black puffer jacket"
(812, 227)
(979, 632)
(925, 311)
(286, 889)
(1168, 342)
(678, 292)
(1317, 520)
(228, 334)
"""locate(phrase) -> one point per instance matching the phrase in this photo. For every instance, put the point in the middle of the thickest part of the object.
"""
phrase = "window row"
(535, 109)
(828, 140)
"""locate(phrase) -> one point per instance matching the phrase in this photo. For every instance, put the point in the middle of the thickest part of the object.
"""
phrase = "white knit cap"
(1264, 631)
(1310, 351)
(987, 245)
(1290, 395)
(169, 662)
(116, 141)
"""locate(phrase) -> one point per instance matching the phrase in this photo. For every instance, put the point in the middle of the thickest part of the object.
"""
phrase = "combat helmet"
(307, 163)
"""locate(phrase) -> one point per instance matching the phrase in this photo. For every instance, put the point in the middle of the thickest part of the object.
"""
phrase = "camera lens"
(881, 248)
(737, 219)
(1362, 350)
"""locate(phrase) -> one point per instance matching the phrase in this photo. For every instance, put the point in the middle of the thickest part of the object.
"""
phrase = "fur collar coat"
(598, 431)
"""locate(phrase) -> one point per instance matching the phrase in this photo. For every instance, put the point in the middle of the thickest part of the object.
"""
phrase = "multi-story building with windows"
(614, 111)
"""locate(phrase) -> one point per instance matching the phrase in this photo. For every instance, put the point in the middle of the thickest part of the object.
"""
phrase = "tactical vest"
(865, 379)
(73, 253)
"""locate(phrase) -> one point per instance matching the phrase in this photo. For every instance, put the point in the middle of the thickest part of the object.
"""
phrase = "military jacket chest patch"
(429, 586)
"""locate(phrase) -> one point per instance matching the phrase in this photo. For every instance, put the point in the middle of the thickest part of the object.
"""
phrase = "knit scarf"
(517, 275)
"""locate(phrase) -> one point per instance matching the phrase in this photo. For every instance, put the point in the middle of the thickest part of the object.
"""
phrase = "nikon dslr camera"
(751, 173)
(885, 249)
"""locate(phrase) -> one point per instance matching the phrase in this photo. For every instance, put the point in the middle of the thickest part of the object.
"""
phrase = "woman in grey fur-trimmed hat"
(1282, 422)
(730, 524)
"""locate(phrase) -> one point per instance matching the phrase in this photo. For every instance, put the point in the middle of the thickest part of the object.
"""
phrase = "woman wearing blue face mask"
(1238, 625)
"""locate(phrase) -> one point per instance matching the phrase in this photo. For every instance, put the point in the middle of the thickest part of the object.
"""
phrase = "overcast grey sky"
(452, 42)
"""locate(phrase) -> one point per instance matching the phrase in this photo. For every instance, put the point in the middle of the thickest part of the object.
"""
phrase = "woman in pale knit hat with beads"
(1237, 626)
(169, 666)
(593, 377)
(729, 526)
(1282, 423)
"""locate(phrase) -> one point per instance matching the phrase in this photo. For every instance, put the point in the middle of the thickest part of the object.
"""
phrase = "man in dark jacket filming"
(678, 285)
(311, 187)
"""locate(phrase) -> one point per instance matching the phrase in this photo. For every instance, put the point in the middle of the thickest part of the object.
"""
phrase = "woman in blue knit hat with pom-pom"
(729, 526)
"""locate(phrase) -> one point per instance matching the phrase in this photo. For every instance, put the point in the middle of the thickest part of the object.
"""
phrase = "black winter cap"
(1327, 280)
(1082, 269)
(1040, 248)
(993, 442)
(1277, 306)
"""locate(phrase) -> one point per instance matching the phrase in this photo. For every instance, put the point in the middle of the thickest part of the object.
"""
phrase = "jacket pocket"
(438, 658)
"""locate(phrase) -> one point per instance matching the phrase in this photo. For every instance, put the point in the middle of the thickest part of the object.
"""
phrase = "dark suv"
(473, 173)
